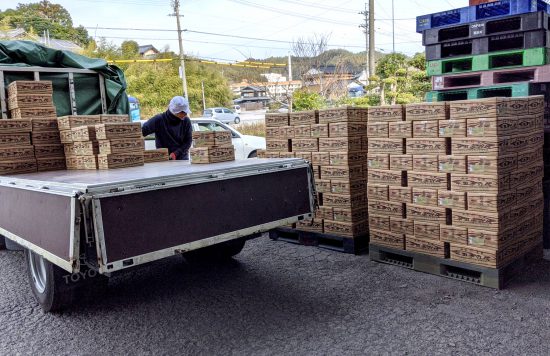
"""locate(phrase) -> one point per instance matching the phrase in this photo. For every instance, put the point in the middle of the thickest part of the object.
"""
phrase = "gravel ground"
(278, 298)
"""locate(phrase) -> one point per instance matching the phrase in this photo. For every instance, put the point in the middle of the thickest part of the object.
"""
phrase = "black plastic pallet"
(489, 44)
(518, 23)
(357, 245)
(496, 278)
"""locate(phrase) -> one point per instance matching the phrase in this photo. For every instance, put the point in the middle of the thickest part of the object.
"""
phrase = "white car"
(245, 146)
(222, 114)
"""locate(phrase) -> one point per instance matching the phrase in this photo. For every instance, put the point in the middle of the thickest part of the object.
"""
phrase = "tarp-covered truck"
(74, 224)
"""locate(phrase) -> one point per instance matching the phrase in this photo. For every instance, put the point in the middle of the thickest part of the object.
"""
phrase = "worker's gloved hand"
(173, 156)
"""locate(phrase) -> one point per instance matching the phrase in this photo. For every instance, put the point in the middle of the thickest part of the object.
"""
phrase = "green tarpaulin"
(87, 92)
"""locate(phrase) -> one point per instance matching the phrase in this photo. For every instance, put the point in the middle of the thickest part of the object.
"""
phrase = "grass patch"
(253, 128)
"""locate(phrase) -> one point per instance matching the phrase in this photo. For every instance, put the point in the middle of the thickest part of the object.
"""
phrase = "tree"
(129, 49)
(305, 100)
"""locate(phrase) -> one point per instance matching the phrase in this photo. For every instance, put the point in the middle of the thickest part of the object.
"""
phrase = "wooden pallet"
(496, 278)
(357, 245)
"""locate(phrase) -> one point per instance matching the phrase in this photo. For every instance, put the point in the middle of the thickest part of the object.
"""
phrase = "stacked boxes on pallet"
(77, 133)
(467, 183)
(212, 147)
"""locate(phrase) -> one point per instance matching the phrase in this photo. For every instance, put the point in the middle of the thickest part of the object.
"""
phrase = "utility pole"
(366, 29)
(176, 5)
(289, 67)
(203, 99)
(371, 37)
(393, 24)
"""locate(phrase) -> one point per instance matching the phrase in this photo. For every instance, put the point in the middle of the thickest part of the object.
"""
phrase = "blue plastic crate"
(491, 10)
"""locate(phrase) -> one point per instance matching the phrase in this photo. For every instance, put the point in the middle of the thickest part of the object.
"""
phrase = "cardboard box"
(426, 230)
(158, 155)
(423, 213)
(400, 194)
(401, 226)
(425, 129)
(502, 126)
(530, 158)
(18, 167)
(315, 225)
(378, 161)
(20, 87)
(451, 199)
(350, 215)
(45, 138)
(114, 119)
(348, 113)
(422, 146)
(49, 151)
(285, 132)
(71, 121)
(304, 118)
(377, 191)
(427, 180)
(346, 229)
(452, 164)
(81, 162)
(386, 208)
(400, 129)
(427, 111)
(488, 107)
(287, 155)
(344, 200)
(15, 126)
(453, 234)
(116, 131)
(16, 153)
(211, 138)
(379, 222)
(378, 129)
(28, 113)
(304, 155)
(276, 120)
(319, 130)
(302, 131)
(386, 113)
(347, 129)
(488, 145)
(422, 196)
(83, 133)
(434, 248)
(426, 163)
(278, 145)
(452, 128)
(323, 185)
(380, 176)
(364, 143)
(492, 164)
(111, 161)
(401, 162)
(324, 212)
(342, 172)
(29, 101)
(15, 139)
(346, 158)
(388, 239)
(478, 183)
(358, 186)
(340, 144)
(386, 145)
(519, 177)
(491, 202)
(211, 154)
(320, 158)
(477, 220)
(50, 164)
(66, 136)
(43, 124)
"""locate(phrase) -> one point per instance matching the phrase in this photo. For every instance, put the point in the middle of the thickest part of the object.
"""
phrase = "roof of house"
(252, 88)
(145, 48)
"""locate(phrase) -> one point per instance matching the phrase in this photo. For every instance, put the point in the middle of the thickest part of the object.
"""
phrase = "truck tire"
(219, 252)
(2, 242)
(50, 284)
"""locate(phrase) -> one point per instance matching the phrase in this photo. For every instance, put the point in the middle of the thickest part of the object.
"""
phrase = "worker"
(172, 129)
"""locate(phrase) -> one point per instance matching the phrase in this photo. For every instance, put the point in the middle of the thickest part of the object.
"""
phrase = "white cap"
(179, 104)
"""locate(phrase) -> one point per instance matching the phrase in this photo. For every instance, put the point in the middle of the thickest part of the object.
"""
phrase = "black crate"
(357, 245)
(510, 24)
(489, 44)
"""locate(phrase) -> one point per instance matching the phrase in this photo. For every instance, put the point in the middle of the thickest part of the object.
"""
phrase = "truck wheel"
(2, 242)
(48, 283)
(217, 252)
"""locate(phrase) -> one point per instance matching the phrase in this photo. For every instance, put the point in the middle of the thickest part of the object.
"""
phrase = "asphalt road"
(277, 298)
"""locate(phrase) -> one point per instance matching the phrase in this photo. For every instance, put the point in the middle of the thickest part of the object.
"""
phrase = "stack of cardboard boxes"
(16, 151)
(31, 99)
(120, 145)
(465, 182)
(212, 147)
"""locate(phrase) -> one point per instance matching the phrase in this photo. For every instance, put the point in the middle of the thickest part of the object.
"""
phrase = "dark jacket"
(170, 132)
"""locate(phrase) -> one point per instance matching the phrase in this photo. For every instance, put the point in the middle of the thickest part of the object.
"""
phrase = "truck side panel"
(137, 224)
(42, 219)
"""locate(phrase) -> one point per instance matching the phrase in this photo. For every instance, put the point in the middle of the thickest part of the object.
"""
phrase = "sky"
(234, 30)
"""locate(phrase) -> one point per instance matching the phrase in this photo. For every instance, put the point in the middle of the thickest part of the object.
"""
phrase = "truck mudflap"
(133, 229)
(46, 223)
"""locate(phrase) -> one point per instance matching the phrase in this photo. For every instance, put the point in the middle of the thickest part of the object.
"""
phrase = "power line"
(319, 6)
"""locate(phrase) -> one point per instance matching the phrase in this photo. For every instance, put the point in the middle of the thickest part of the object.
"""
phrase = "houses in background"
(148, 51)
